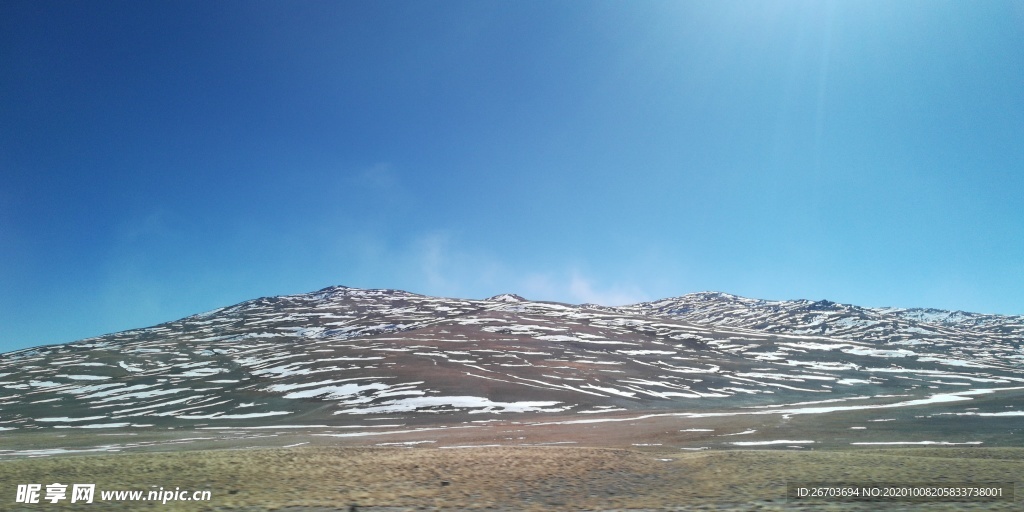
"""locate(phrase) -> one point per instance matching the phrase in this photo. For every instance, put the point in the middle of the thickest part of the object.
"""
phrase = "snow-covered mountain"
(887, 325)
(346, 356)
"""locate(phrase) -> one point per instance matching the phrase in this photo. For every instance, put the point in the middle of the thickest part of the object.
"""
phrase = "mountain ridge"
(851, 321)
(348, 357)
(1011, 324)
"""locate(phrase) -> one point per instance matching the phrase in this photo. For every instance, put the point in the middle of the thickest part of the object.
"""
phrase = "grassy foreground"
(507, 478)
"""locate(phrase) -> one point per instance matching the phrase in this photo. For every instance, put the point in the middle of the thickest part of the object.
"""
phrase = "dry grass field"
(328, 478)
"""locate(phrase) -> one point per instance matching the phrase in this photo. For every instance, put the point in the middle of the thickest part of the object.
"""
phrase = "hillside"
(349, 357)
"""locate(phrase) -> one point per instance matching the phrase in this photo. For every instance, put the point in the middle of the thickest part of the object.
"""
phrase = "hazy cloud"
(448, 268)
(575, 287)
(433, 257)
(584, 289)
(380, 175)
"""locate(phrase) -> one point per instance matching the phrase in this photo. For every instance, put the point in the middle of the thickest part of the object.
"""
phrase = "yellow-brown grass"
(505, 478)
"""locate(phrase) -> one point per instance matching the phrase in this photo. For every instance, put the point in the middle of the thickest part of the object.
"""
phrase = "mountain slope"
(351, 357)
(887, 325)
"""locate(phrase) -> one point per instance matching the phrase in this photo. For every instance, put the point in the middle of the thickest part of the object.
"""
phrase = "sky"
(164, 158)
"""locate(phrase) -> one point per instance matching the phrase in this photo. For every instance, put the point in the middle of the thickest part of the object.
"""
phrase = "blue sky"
(159, 159)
